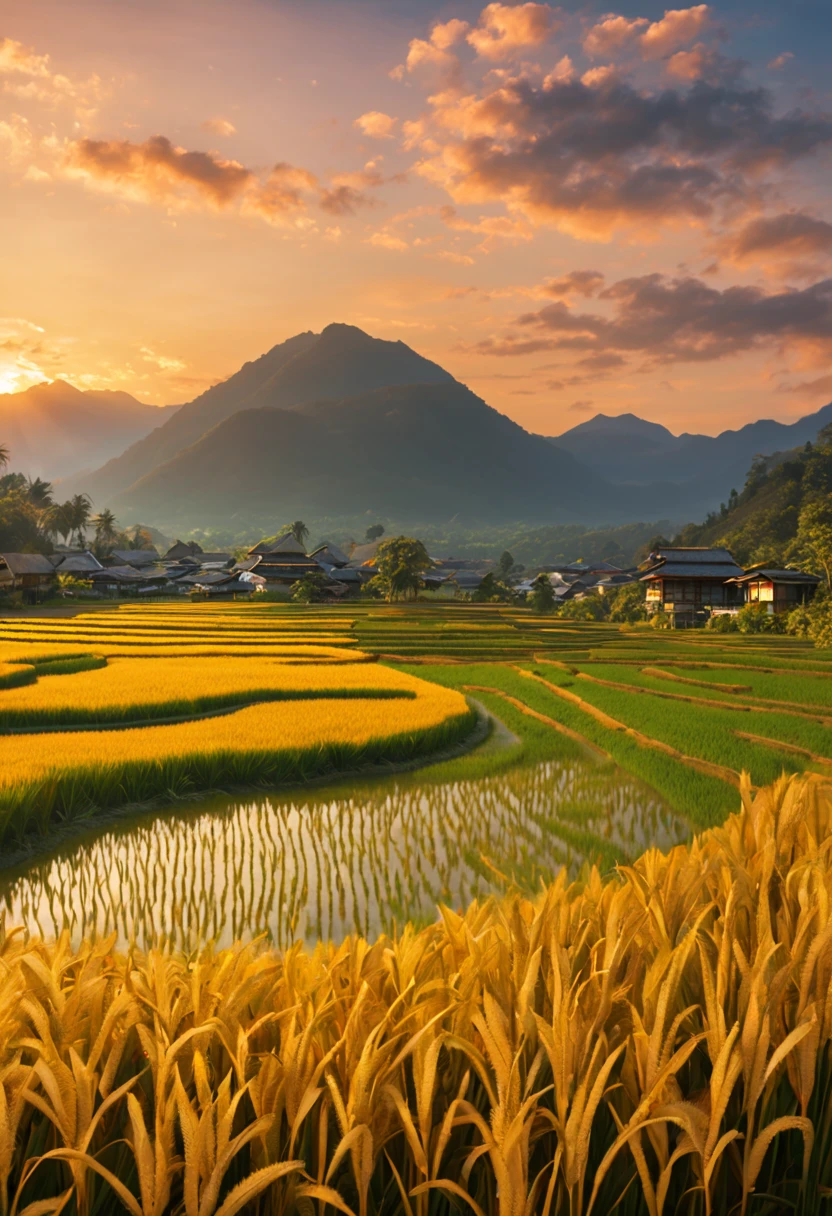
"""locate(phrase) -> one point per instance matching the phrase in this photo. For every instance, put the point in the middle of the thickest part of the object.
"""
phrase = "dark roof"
(28, 563)
(73, 563)
(275, 569)
(715, 570)
(696, 556)
(181, 548)
(777, 576)
(135, 557)
(330, 555)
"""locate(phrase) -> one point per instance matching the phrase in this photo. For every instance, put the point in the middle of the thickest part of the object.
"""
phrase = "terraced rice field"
(113, 707)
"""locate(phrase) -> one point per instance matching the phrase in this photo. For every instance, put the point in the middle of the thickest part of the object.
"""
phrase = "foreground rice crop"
(653, 1042)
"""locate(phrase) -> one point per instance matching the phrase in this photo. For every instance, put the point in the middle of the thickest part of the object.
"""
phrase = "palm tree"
(105, 528)
(80, 506)
(58, 520)
(5, 456)
(39, 493)
(299, 530)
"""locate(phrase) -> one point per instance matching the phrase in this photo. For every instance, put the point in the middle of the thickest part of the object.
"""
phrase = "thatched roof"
(134, 557)
(181, 548)
(77, 563)
(285, 544)
(330, 555)
(27, 563)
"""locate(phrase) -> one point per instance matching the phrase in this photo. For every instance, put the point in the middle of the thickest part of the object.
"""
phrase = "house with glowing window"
(689, 584)
(779, 590)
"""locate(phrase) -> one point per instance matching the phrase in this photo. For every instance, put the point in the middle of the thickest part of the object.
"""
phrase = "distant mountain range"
(341, 424)
(55, 430)
(702, 469)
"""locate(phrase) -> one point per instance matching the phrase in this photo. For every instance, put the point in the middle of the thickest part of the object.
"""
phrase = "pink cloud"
(613, 34)
(678, 26)
(504, 29)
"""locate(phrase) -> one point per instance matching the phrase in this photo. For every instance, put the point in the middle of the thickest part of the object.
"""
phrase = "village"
(688, 585)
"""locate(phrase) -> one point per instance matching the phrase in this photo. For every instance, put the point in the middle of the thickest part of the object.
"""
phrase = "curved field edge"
(557, 1048)
(77, 792)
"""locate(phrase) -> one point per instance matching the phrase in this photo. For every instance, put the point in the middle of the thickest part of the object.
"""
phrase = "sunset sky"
(574, 210)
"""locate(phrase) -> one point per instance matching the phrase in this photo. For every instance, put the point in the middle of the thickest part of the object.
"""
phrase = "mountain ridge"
(55, 430)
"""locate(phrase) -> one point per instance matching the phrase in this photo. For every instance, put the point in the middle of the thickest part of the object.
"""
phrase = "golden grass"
(149, 688)
(653, 1042)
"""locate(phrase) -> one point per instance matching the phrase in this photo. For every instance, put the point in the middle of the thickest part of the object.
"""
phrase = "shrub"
(590, 608)
(661, 620)
(755, 618)
(722, 622)
(629, 605)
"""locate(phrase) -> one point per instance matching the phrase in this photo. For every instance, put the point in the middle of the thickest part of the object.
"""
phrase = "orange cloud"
(15, 57)
(158, 170)
(376, 125)
(445, 34)
(613, 34)
(678, 26)
(504, 29)
(219, 126)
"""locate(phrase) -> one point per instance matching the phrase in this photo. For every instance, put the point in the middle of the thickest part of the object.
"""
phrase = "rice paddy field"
(412, 909)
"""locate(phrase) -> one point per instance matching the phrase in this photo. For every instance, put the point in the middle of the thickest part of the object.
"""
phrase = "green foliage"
(763, 522)
(628, 604)
(722, 622)
(541, 598)
(492, 591)
(755, 618)
(309, 589)
(661, 620)
(401, 561)
(590, 608)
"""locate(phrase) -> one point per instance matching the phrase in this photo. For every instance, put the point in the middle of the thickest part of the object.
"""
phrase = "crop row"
(615, 1045)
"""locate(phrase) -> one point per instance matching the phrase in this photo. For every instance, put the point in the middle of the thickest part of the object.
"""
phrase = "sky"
(574, 209)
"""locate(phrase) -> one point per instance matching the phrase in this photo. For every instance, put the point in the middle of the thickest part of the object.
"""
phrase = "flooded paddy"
(328, 861)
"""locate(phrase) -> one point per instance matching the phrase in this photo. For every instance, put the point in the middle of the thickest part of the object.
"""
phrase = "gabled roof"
(181, 548)
(696, 556)
(284, 544)
(27, 563)
(330, 555)
(693, 563)
(777, 576)
(135, 557)
(78, 563)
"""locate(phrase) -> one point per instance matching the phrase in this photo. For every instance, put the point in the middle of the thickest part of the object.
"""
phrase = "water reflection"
(328, 862)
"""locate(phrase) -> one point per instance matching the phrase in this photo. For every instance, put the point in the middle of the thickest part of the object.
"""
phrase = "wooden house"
(687, 583)
(281, 563)
(779, 590)
(31, 573)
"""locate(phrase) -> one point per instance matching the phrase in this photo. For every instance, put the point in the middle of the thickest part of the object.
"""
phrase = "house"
(281, 563)
(779, 590)
(330, 556)
(79, 563)
(180, 549)
(120, 579)
(31, 573)
(687, 582)
(137, 558)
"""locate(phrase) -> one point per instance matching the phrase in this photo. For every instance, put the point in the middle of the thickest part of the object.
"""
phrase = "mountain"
(418, 452)
(55, 430)
(760, 524)
(700, 469)
(341, 361)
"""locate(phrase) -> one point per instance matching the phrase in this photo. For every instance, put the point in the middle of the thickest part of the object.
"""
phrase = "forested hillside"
(782, 513)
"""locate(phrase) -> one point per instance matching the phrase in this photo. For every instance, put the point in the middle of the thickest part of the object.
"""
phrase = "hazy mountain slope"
(54, 430)
(628, 450)
(340, 361)
(762, 523)
(417, 452)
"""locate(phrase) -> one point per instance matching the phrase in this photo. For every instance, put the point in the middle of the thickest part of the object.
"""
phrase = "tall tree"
(299, 530)
(374, 532)
(106, 529)
(5, 456)
(39, 493)
(814, 537)
(80, 508)
(59, 520)
(401, 562)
